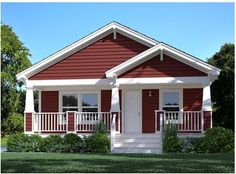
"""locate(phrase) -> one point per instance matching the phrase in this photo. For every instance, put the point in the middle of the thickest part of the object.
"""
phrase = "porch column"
(206, 107)
(115, 101)
(29, 99)
(29, 111)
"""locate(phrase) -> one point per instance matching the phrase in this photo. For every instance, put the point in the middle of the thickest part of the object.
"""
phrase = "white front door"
(132, 117)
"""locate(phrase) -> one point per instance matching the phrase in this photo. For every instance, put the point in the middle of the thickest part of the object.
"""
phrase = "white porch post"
(206, 99)
(29, 99)
(115, 101)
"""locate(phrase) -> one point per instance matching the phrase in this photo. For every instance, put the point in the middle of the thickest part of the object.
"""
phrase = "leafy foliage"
(216, 140)
(171, 143)
(99, 143)
(13, 124)
(72, 143)
(100, 128)
(18, 143)
(222, 90)
(14, 59)
(53, 143)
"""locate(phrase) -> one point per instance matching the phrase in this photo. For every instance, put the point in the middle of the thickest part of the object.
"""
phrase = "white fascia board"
(151, 52)
(120, 81)
(190, 59)
(82, 43)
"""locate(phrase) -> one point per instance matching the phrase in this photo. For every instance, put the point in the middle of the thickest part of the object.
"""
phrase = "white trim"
(121, 81)
(39, 100)
(206, 98)
(180, 91)
(176, 54)
(82, 43)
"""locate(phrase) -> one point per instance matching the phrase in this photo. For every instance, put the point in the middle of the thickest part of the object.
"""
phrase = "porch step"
(137, 143)
(136, 150)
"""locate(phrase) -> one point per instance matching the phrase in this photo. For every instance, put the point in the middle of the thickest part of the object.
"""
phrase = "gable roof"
(156, 48)
(112, 27)
(163, 48)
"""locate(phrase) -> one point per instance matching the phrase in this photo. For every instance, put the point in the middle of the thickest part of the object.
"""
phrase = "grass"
(65, 163)
(4, 141)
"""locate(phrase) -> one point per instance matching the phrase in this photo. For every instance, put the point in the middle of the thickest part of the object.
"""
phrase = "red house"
(132, 83)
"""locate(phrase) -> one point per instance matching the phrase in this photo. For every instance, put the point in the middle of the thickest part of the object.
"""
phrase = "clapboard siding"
(149, 105)
(49, 101)
(207, 119)
(94, 60)
(192, 99)
(169, 67)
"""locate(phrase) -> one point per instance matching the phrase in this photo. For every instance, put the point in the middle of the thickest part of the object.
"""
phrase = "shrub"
(171, 143)
(36, 143)
(18, 143)
(100, 128)
(216, 140)
(99, 143)
(72, 143)
(13, 124)
(53, 143)
(188, 145)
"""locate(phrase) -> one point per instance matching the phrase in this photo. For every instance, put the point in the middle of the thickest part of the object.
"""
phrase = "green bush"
(72, 143)
(13, 124)
(216, 140)
(99, 143)
(100, 128)
(36, 143)
(188, 145)
(54, 143)
(18, 143)
(171, 143)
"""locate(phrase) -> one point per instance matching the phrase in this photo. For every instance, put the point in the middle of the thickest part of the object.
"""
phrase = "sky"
(199, 29)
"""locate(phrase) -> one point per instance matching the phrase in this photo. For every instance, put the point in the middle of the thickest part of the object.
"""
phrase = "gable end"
(168, 67)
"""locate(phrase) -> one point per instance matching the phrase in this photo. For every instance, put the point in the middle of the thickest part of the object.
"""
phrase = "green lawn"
(59, 162)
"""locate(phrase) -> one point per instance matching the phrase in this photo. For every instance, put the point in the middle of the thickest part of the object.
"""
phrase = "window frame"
(79, 95)
(161, 100)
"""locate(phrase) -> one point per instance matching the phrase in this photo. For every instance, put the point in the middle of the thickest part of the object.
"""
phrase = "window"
(89, 102)
(69, 102)
(171, 101)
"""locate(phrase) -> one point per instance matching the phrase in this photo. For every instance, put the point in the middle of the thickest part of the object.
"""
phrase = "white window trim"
(180, 91)
(78, 93)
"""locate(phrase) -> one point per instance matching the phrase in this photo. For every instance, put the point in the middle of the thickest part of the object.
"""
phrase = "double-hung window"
(89, 102)
(171, 101)
(171, 104)
(70, 102)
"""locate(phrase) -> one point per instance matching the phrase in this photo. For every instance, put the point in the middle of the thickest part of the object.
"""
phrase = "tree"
(14, 59)
(222, 90)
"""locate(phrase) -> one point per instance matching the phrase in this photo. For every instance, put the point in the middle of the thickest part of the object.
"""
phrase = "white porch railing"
(186, 121)
(49, 122)
(57, 122)
(86, 121)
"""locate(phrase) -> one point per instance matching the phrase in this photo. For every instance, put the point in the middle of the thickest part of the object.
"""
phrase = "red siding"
(71, 121)
(207, 120)
(149, 105)
(28, 122)
(169, 67)
(94, 60)
(106, 103)
(49, 101)
(192, 99)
